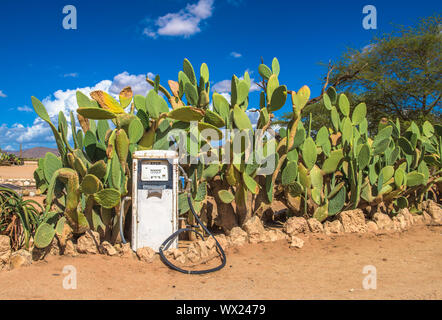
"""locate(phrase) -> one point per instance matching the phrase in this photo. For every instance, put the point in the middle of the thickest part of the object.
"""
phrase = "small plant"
(9, 159)
(18, 217)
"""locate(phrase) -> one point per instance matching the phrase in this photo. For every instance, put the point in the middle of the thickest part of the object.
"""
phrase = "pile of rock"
(353, 221)
(24, 187)
(5, 252)
(20, 182)
(295, 230)
(11, 260)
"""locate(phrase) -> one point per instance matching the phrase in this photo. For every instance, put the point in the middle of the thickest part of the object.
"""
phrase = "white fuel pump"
(154, 198)
(155, 175)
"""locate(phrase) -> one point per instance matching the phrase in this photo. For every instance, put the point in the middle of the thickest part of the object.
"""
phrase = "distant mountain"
(37, 152)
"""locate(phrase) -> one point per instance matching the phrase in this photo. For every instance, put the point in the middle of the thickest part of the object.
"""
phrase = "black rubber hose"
(169, 240)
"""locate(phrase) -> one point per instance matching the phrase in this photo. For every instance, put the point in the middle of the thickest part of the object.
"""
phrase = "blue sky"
(117, 43)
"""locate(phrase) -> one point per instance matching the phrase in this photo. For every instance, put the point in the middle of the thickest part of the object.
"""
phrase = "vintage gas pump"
(154, 198)
(155, 176)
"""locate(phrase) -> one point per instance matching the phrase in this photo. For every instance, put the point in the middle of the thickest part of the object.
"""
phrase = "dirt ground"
(25, 171)
(408, 266)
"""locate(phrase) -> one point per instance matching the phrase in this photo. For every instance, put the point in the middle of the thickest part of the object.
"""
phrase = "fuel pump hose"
(169, 240)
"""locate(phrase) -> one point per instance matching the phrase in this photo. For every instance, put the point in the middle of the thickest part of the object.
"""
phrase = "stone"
(372, 226)
(26, 183)
(39, 253)
(145, 254)
(127, 252)
(193, 254)
(334, 227)
(181, 259)
(176, 254)
(89, 242)
(32, 194)
(108, 249)
(407, 216)
(383, 221)
(54, 248)
(315, 226)
(418, 219)
(20, 258)
(237, 236)
(118, 247)
(193, 257)
(281, 234)
(210, 244)
(5, 251)
(69, 249)
(255, 229)
(353, 221)
(296, 225)
(426, 217)
(273, 235)
(200, 245)
(434, 210)
(223, 241)
(402, 221)
(296, 242)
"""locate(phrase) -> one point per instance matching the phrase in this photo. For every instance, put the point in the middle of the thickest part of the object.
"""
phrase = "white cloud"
(236, 54)
(224, 86)
(138, 83)
(71, 75)
(368, 48)
(67, 100)
(185, 22)
(25, 109)
(149, 33)
(251, 113)
(40, 134)
(2, 95)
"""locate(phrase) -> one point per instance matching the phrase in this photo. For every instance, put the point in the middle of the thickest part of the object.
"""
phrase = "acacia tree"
(397, 75)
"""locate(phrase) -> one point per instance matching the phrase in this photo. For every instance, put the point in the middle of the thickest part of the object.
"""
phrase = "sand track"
(408, 266)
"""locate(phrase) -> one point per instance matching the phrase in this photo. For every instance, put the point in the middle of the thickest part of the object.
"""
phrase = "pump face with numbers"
(154, 170)
(155, 213)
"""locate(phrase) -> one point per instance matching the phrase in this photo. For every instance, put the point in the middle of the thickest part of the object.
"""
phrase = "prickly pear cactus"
(315, 174)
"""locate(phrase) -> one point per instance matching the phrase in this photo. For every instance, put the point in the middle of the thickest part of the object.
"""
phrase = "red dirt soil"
(409, 266)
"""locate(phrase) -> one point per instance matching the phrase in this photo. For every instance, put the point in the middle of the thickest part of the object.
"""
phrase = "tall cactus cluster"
(313, 173)
(340, 168)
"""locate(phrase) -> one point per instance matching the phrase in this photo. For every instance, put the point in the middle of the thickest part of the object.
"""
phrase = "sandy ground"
(25, 171)
(408, 266)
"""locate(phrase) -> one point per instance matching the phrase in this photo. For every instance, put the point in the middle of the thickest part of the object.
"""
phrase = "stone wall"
(294, 232)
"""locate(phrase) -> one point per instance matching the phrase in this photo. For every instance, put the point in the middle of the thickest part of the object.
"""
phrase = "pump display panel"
(154, 170)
